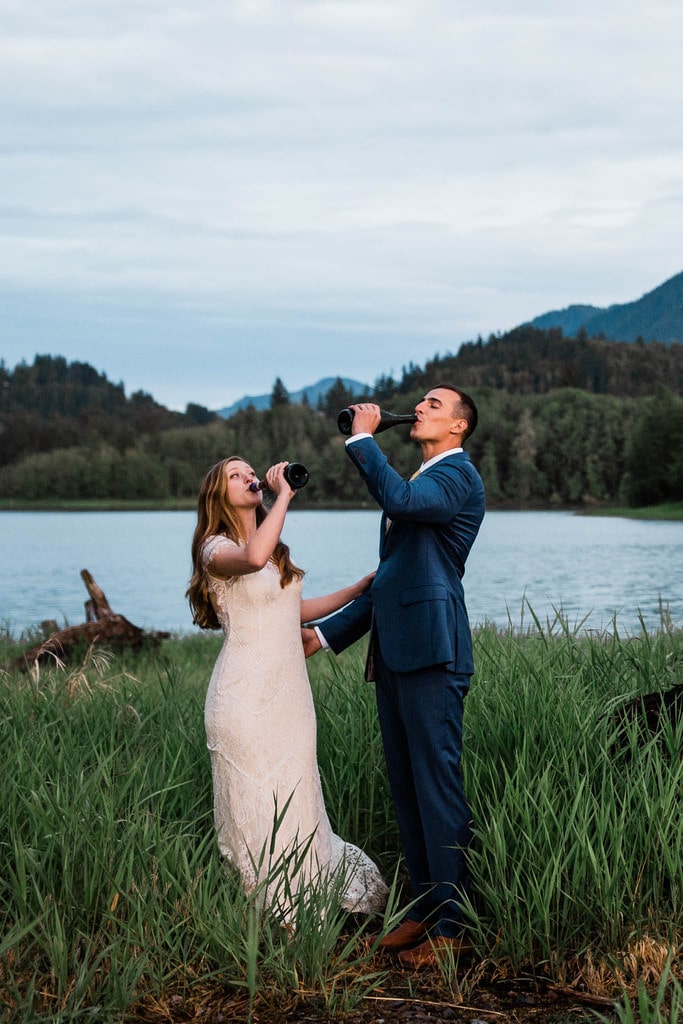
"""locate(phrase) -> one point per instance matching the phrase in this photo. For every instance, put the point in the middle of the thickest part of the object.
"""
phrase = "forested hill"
(55, 404)
(532, 361)
(657, 316)
(562, 422)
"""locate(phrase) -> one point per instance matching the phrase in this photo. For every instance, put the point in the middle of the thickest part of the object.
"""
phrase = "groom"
(420, 655)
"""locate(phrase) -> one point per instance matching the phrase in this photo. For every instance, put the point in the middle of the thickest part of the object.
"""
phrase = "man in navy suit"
(420, 655)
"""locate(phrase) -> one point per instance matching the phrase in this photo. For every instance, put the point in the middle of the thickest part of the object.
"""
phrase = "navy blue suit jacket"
(416, 605)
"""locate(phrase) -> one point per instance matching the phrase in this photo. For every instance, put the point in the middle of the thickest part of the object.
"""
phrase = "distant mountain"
(312, 392)
(657, 316)
(571, 319)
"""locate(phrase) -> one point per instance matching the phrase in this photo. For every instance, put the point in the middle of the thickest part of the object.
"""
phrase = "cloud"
(377, 180)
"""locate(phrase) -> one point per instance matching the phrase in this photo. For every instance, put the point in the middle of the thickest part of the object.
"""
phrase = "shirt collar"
(437, 458)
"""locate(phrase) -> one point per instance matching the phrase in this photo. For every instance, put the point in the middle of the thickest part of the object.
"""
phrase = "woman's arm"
(318, 607)
(239, 560)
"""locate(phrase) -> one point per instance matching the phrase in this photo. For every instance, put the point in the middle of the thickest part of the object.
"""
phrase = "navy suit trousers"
(420, 716)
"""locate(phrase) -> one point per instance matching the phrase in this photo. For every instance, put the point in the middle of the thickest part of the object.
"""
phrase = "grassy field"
(115, 906)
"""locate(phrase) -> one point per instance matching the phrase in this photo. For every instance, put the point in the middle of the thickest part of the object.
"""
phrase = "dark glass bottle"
(296, 476)
(388, 419)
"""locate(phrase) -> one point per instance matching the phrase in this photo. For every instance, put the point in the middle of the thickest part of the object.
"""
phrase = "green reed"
(112, 892)
(579, 831)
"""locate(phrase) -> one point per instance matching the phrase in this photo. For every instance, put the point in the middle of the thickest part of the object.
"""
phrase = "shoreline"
(669, 511)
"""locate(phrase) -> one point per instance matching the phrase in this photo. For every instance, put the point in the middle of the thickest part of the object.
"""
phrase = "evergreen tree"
(653, 454)
(488, 469)
(199, 414)
(279, 395)
(337, 398)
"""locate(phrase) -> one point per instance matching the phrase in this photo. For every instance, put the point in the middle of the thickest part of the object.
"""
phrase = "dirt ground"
(410, 999)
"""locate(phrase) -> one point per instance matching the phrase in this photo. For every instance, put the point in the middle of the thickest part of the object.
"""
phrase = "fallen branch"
(103, 626)
(583, 997)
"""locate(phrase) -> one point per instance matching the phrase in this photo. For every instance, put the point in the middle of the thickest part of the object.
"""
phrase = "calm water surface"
(590, 568)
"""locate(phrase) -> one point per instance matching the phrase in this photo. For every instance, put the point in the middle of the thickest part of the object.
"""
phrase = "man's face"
(438, 417)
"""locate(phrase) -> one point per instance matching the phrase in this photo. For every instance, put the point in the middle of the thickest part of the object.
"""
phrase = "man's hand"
(310, 640)
(366, 418)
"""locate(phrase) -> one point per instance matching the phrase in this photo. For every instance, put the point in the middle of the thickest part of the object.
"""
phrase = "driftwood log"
(653, 709)
(102, 626)
(656, 714)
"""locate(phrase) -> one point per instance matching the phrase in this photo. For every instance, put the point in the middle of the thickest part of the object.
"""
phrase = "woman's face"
(239, 477)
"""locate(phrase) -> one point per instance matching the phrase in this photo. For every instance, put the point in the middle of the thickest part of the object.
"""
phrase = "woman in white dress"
(269, 812)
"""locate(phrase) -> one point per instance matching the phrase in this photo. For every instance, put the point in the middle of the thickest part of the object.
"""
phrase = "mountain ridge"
(656, 316)
(311, 393)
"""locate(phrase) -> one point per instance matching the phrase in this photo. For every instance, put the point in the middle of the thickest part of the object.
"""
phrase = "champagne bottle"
(295, 474)
(388, 419)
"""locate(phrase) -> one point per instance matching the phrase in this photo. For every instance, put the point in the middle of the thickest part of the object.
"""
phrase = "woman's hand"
(365, 583)
(275, 478)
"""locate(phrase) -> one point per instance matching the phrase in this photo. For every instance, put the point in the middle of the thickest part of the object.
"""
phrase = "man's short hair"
(469, 409)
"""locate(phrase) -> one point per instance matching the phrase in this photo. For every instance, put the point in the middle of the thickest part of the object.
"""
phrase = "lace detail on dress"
(210, 545)
(216, 586)
(260, 723)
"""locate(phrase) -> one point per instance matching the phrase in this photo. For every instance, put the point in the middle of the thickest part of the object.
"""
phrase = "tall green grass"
(114, 900)
(579, 824)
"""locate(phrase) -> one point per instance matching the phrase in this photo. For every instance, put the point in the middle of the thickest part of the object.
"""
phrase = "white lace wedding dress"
(261, 733)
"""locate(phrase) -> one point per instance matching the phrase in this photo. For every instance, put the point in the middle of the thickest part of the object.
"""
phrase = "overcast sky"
(200, 196)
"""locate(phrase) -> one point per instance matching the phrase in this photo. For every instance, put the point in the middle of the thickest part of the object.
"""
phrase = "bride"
(269, 813)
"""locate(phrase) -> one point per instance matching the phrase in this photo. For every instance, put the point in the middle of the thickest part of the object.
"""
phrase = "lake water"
(590, 568)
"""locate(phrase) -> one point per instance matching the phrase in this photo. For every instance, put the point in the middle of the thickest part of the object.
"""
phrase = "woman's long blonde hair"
(215, 515)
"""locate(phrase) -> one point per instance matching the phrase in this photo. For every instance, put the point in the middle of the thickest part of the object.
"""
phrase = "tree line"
(55, 404)
(564, 448)
(542, 440)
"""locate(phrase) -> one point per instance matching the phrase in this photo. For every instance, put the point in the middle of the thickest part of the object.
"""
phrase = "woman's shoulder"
(213, 543)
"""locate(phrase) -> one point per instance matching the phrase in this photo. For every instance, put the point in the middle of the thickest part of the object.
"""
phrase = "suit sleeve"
(348, 625)
(433, 497)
